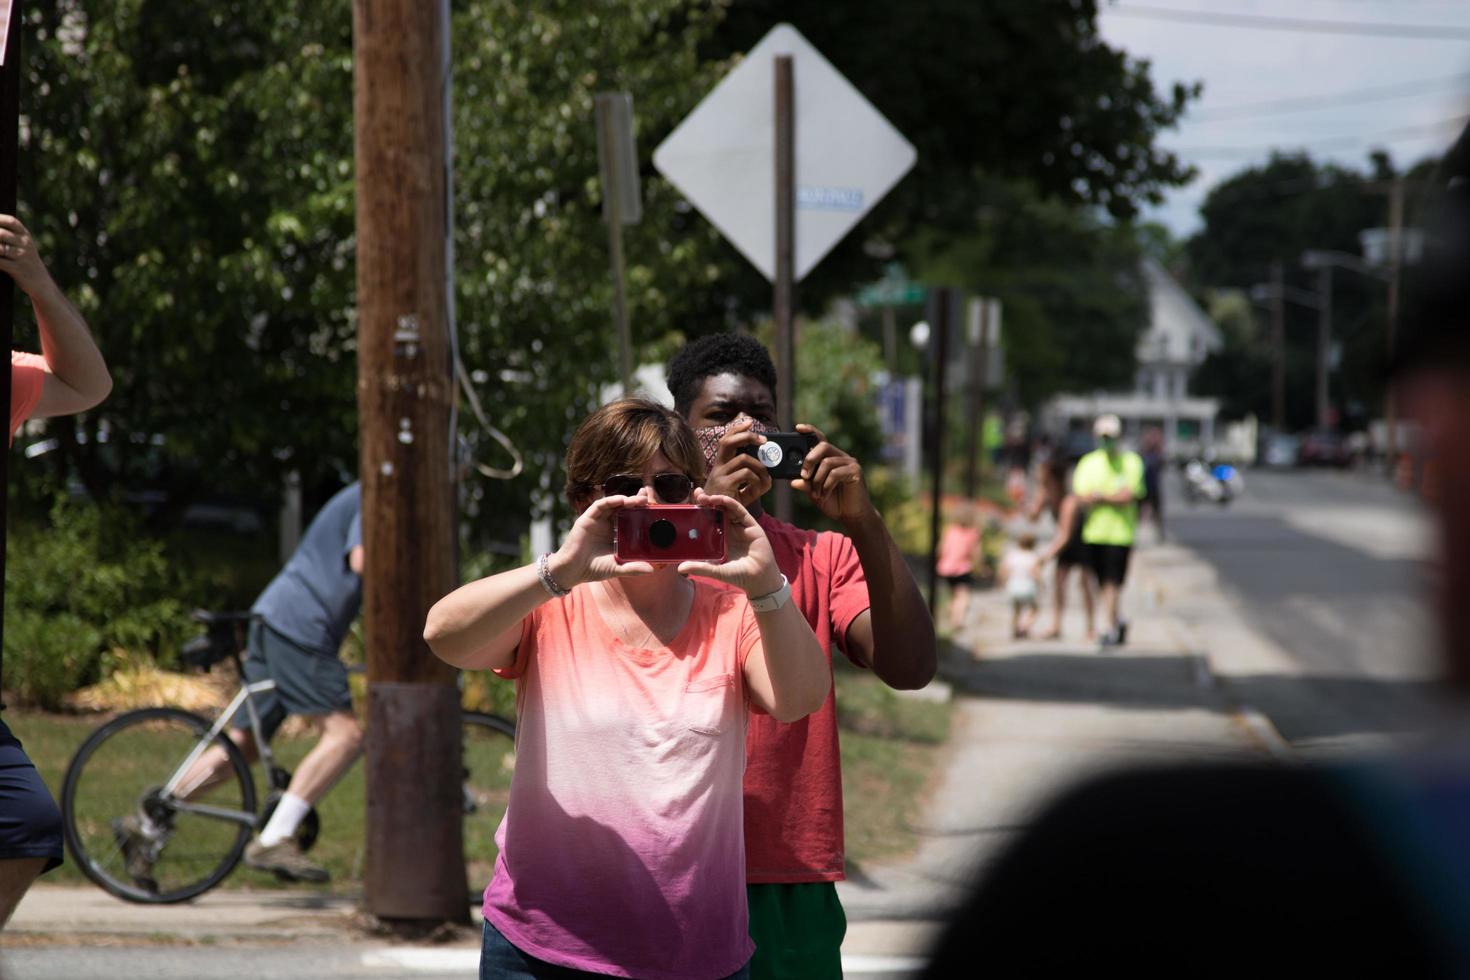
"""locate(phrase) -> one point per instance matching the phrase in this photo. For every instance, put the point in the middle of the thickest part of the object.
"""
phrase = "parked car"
(1324, 448)
(1281, 451)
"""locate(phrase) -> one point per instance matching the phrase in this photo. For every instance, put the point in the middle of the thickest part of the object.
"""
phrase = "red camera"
(669, 533)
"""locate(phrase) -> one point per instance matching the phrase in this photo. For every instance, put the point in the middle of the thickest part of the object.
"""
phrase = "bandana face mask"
(709, 439)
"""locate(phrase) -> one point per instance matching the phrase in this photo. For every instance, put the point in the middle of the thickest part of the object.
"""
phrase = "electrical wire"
(518, 462)
(1422, 32)
(1346, 97)
(1329, 143)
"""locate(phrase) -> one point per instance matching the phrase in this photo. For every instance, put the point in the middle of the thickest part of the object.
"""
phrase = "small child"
(1019, 571)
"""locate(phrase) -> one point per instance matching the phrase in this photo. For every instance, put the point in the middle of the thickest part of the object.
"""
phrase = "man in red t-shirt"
(68, 377)
(856, 591)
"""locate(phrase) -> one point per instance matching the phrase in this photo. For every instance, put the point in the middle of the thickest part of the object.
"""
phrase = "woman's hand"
(587, 553)
(18, 256)
(749, 563)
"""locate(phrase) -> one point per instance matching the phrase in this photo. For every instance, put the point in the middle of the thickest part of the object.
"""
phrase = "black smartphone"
(783, 453)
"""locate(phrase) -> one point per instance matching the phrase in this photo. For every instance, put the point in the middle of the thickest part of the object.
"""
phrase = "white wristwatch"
(772, 601)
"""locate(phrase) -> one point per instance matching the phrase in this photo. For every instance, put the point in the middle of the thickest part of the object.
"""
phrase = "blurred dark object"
(1322, 447)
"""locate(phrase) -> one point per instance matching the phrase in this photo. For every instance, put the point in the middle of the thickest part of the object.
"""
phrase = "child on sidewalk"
(1019, 572)
(959, 554)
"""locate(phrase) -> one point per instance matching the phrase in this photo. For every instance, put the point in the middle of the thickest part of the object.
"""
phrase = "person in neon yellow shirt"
(1109, 483)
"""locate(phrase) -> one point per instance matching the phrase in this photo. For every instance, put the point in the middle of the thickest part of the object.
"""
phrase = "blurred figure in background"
(1109, 482)
(959, 555)
(1019, 572)
(68, 376)
(1067, 547)
(1151, 451)
(1354, 869)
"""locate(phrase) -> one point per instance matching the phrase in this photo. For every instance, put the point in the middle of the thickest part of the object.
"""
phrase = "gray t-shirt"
(315, 598)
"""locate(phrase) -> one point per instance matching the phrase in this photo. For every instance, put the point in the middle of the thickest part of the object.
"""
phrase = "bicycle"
(127, 774)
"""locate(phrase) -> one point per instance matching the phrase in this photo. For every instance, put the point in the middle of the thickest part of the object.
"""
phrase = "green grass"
(51, 740)
(890, 749)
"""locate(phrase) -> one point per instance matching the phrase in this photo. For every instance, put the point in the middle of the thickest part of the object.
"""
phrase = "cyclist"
(300, 621)
(68, 376)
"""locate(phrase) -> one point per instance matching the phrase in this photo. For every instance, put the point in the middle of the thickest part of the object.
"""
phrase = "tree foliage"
(1275, 213)
(188, 170)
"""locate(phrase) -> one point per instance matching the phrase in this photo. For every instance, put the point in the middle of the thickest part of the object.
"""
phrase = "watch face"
(770, 454)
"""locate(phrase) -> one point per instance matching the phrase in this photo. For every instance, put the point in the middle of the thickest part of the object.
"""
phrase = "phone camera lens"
(770, 454)
(661, 533)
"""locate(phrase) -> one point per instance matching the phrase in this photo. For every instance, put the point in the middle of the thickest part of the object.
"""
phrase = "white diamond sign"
(721, 157)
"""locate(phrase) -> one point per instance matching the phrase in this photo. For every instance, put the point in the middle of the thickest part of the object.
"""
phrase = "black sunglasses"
(671, 488)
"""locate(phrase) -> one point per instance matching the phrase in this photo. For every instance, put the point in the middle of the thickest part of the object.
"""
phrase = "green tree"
(1274, 213)
(1074, 301)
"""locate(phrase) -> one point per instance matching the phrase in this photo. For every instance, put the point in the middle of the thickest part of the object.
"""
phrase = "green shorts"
(798, 931)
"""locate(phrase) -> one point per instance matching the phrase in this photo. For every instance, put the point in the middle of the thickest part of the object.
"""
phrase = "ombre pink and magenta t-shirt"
(622, 849)
(27, 377)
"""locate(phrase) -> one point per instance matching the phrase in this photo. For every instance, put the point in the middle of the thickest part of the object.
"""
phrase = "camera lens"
(662, 534)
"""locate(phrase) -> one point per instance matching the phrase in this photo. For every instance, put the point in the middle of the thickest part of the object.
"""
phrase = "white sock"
(284, 820)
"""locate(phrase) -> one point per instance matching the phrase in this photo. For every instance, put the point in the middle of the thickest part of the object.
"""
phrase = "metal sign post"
(617, 160)
(784, 298)
(944, 306)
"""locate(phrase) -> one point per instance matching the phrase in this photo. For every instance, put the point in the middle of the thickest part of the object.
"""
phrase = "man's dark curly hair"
(719, 353)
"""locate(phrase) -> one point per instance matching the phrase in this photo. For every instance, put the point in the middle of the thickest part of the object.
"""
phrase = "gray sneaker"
(285, 860)
(138, 851)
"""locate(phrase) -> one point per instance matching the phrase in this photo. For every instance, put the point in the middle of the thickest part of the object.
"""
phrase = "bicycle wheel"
(489, 761)
(131, 839)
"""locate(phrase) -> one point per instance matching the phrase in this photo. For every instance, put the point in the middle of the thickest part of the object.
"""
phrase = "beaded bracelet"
(543, 572)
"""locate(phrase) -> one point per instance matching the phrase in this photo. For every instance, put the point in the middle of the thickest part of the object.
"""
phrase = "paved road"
(1332, 568)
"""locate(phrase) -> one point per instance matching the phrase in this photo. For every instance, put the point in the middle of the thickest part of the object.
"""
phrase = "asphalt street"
(1333, 569)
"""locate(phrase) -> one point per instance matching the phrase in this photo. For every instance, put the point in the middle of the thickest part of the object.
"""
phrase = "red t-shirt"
(793, 773)
(27, 376)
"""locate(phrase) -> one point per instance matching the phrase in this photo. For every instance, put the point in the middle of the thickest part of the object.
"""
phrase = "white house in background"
(1178, 338)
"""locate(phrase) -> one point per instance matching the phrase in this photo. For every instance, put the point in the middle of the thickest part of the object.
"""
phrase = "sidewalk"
(1030, 717)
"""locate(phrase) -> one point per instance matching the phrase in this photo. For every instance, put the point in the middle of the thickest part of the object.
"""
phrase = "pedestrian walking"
(300, 621)
(622, 848)
(68, 376)
(1109, 482)
(1020, 571)
(1067, 548)
(959, 554)
(856, 591)
(1348, 868)
(1151, 451)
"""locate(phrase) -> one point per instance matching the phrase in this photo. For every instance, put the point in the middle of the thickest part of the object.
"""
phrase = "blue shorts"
(30, 823)
(308, 682)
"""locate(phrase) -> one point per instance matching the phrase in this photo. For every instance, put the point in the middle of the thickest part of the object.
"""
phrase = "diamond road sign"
(721, 157)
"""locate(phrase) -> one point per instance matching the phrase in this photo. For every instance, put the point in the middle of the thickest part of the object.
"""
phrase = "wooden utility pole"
(783, 309)
(9, 177)
(944, 307)
(1324, 345)
(415, 866)
(1395, 269)
(1278, 348)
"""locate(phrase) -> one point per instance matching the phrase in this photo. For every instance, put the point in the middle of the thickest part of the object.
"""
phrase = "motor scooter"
(1217, 483)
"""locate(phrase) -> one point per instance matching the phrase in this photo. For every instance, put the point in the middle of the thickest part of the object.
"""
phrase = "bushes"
(77, 588)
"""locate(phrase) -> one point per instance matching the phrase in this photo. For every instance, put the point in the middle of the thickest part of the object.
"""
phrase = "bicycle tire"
(489, 762)
(116, 773)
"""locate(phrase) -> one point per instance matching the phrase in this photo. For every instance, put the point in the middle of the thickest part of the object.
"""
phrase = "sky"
(1350, 92)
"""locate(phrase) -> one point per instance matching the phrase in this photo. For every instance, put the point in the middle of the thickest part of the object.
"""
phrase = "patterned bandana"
(709, 439)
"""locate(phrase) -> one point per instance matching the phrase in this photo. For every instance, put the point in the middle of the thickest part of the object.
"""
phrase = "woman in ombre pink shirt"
(622, 849)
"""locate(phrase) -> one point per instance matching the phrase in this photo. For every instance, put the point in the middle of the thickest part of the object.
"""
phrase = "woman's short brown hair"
(621, 437)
